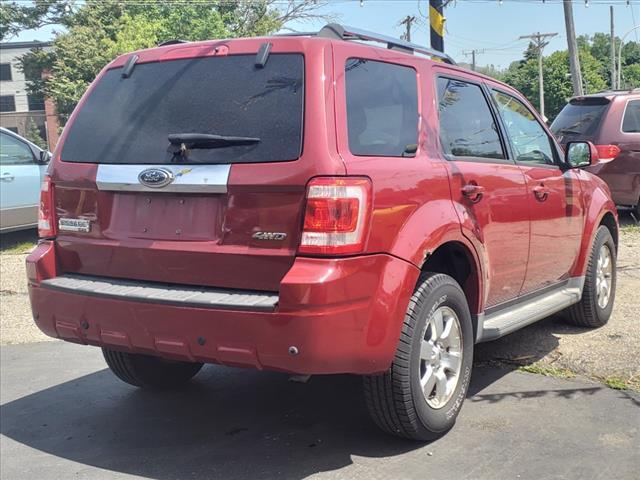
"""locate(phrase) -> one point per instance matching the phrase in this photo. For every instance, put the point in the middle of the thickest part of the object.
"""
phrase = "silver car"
(22, 166)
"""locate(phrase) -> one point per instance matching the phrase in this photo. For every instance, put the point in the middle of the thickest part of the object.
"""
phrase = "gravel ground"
(608, 353)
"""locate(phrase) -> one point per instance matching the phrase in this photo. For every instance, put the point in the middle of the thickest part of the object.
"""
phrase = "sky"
(490, 26)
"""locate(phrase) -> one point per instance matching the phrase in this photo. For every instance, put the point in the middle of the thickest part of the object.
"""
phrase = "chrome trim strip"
(188, 178)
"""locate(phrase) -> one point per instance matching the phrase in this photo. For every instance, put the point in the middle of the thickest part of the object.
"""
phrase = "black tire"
(587, 312)
(395, 399)
(149, 372)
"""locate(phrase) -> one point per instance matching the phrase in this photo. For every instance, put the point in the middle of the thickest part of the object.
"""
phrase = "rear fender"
(430, 226)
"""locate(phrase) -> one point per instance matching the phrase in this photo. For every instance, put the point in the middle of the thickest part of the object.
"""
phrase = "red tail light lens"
(46, 213)
(336, 220)
(607, 152)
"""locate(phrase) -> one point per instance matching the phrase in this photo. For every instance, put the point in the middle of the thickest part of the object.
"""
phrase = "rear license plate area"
(161, 216)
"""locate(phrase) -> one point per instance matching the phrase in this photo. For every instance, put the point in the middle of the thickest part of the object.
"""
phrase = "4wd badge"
(269, 235)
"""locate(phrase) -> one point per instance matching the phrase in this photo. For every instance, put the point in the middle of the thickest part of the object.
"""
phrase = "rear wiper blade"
(187, 141)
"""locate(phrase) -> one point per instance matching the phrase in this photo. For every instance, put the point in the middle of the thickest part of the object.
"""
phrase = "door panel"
(553, 196)
(19, 182)
(556, 225)
(499, 221)
(488, 189)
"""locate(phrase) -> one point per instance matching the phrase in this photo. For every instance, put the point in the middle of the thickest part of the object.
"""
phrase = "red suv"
(611, 120)
(315, 204)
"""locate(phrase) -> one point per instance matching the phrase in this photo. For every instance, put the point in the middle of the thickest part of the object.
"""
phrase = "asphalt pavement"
(63, 415)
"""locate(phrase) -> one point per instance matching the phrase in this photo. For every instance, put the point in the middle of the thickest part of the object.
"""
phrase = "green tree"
(100, 30)
(33, 135)
(557, 79)
(16, 16)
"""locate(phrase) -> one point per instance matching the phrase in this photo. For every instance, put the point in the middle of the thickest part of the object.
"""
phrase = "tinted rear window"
(382, 107)
(580, 118)
(129, 120)
(631, 120)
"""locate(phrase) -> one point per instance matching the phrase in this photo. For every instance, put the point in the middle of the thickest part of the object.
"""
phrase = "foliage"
(33, 135)
(16, 16)
(594, 64)
(100, 30)
(492, 71)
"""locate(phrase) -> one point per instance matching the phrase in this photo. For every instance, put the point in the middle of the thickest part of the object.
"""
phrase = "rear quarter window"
(382, 108)
(631, 119)
(128, 120)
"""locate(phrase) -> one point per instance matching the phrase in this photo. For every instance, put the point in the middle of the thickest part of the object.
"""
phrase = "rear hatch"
(189, 170)
(580, 119)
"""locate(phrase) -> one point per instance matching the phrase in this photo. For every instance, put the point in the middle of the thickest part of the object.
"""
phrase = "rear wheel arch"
(457, 260)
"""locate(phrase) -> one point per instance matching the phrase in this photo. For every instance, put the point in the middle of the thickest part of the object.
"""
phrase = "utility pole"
(539, 42)
(407, 22)
(613, 51)
(473, 54)
(436, 22)
(574, 60)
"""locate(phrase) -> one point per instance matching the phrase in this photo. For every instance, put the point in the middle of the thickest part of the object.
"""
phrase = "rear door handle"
(541, 192)
(473, 192)
(7, 177)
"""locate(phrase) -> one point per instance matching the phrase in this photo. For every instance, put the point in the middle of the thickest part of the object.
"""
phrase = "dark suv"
(313, 204)
(611, 120)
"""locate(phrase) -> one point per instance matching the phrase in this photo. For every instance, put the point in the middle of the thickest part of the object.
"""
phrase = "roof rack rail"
(343, 32)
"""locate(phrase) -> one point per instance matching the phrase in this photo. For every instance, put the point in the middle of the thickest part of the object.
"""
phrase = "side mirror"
(581, 154)
(45, 157)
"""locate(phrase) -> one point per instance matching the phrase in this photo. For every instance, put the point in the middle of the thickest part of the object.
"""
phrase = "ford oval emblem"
(156, 177)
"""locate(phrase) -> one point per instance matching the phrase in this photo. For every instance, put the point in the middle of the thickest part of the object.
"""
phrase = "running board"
(519, 315)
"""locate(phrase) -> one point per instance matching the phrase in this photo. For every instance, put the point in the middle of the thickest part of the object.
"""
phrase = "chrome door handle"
(7, 177)
(473, 192)
(541, 192)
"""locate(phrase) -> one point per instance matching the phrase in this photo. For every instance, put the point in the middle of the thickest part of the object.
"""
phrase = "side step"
(514, 317)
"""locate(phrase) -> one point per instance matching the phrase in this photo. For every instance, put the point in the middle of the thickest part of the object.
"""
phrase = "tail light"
(337, 215)
(46, 213)
(607, 152)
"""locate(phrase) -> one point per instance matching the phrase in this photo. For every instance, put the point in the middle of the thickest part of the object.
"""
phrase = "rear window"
(581, 117)
(382, 108)
(631, 120)
(128, 120)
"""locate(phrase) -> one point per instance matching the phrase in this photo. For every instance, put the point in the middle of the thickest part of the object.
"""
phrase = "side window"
(529, 140)
(631, 121)
(382, 108)
(13, 151)
(467, 128)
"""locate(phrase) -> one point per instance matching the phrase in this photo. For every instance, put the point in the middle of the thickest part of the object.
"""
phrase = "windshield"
(579, 118)
(129, 120)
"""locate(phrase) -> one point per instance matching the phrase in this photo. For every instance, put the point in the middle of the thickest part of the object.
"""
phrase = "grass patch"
(616, 383)
(18, 248)
(547, 371)
(16, 243)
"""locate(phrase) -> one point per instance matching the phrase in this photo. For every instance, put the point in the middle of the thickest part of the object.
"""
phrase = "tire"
(149, 372)
(591, 311)
(395, 399)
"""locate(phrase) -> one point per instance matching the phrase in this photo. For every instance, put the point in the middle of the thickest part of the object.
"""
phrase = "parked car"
(22, 168)
(315, 205)
(611, 120)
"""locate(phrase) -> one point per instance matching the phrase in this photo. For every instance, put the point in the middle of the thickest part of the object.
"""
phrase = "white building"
(17, 108)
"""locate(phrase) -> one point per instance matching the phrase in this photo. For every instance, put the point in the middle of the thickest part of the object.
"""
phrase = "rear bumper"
(342, 316)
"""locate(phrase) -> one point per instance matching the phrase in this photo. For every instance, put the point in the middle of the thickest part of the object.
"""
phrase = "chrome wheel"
(604, 273)
(440, 357)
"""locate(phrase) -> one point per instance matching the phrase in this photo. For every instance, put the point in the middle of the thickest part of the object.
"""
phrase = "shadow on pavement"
(227, 423)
